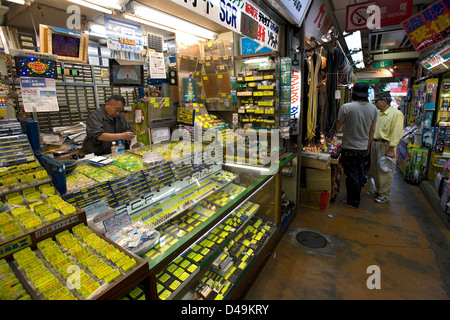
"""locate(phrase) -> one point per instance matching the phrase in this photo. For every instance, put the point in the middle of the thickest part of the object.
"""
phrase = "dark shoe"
(373, 194)
(381, 199)
(344, 203)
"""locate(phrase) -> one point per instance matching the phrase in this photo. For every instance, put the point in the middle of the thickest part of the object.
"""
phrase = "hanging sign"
(228, 13)
(296, 9)
(430, 26)
(295, 99)
(125, 37)
(357, 16)
(157, 65)
(390, 13)
(318, 21)
(382, 64)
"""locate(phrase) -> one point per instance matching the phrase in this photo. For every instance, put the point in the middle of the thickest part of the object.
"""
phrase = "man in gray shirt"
(105, 125)
(358, 120)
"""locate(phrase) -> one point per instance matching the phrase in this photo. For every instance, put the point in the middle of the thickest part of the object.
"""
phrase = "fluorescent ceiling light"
(17, 1)
(148, 23)
(91, 6)
(113, 4)
(358, 59)
(162, 18)
(353, 41)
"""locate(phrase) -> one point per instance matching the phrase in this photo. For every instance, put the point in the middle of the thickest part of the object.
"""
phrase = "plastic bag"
(135, 237)
(386, 164)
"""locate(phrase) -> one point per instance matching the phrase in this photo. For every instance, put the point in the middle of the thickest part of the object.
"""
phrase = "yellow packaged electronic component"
(52, 217)
(49, 191)
(41, 174)
(112, 276)
(184, 276)
(32, 223)
(68, 210)
(10, 182)
(174, 285)
(164, 278)
(192, 268)
(166, 294)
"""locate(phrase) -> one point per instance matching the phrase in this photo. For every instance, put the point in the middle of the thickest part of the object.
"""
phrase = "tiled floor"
(405, 239)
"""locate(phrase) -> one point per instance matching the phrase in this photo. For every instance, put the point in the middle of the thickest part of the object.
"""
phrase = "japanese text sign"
(124, 36)
(228, 13)
(430, 26)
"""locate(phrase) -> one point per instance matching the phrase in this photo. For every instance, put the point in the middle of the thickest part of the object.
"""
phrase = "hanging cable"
(332, 84)
(316, 62)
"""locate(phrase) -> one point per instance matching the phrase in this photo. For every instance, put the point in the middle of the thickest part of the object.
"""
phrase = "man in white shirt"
(358, 120)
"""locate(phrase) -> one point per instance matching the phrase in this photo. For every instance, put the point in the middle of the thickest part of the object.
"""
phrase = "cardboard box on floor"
(318, 180)
(318, 200)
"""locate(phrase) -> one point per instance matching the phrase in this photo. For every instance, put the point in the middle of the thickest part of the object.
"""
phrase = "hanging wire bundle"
(331, 111)
(311, 123)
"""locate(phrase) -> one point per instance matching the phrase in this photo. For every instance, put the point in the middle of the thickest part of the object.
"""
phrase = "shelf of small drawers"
(76, 265)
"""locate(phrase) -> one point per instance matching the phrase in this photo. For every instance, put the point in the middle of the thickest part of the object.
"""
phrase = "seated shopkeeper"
(105, 125)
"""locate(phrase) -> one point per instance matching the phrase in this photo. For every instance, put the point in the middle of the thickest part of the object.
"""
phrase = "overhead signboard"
(228, 13)
(388, 13)
(430, 26)
(296, 9)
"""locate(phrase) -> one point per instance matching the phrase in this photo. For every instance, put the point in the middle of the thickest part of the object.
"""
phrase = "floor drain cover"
(311, 239)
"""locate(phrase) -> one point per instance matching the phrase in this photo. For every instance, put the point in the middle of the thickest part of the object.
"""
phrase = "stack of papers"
(76, 133)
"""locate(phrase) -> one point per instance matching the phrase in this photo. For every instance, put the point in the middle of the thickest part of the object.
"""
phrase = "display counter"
(191, 215)
(212, 250)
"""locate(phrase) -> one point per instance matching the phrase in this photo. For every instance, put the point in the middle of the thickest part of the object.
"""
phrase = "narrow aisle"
(406, 239)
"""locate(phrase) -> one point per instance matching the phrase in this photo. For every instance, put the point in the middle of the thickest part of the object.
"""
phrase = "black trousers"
(353, 164)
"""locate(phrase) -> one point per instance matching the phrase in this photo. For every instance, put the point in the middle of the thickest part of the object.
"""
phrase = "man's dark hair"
(356, 98)
(116, 97)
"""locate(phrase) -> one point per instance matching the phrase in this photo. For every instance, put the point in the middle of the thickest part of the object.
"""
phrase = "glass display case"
(189, 215)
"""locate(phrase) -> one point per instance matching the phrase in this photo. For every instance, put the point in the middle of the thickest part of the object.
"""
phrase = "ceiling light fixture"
(91, 6)
(155, 16)
(354, 45)
(113, 4)
(148, 23)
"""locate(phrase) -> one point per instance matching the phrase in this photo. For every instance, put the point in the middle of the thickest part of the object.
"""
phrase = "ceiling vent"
(387, 40)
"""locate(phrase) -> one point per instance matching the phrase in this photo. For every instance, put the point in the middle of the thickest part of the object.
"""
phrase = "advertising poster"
(39, 94)
(430, 26)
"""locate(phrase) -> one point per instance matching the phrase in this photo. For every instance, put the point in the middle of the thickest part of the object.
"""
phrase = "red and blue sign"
(430, 26)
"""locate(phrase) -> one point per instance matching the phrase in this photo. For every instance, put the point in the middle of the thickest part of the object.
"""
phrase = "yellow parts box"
(318, 180)
(318, 200)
